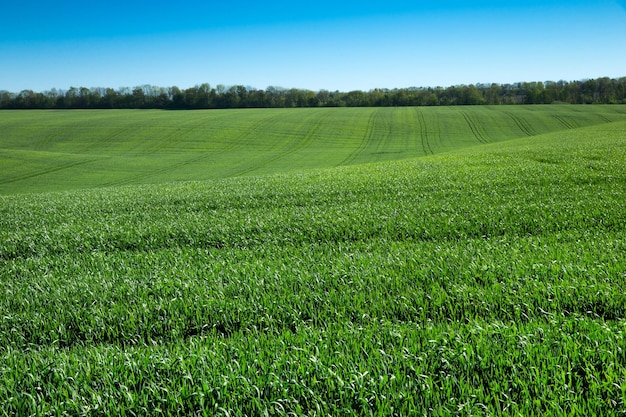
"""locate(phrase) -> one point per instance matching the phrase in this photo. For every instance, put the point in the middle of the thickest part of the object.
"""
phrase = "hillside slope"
(64, 150)
(486, 280)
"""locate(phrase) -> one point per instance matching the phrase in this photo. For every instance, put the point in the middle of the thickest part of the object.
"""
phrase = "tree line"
(204, 96)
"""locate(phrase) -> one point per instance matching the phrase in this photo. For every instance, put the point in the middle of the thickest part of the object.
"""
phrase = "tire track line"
(235, 144)
(46, 171)
(365, 141)
(522, 124)
(566, 122)
(292, 147)
(424, 132)
(475, 128)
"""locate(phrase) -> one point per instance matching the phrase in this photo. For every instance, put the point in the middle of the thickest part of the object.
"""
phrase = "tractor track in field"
(477, 131)
(292, 147)
(39, 173)
(522, 124)
(386, 130)
(566, 122)
(238, 143)
(424, 133)
(153, 173)
(367, 139)
(50, 137)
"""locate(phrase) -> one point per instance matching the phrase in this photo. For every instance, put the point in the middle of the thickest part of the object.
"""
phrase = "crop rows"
(484, 281)
(65, 150)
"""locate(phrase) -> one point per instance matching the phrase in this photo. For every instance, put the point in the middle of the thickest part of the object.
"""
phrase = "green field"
(61, 150)
(396, 261)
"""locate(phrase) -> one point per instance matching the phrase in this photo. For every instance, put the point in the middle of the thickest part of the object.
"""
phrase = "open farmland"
(406, 261)
(62, 150)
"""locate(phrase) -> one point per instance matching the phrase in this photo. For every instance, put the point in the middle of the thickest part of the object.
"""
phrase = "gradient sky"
(334, 45)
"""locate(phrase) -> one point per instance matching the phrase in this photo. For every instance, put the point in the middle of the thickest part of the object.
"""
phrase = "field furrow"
(300, 137)
(475, 128)
(484, 280)
(135, 147)
(366, 138)
(8, 179)
(522, 124)
(566, 122)
(426, 148)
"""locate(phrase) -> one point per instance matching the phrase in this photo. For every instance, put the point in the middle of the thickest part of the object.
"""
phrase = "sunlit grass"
(65, 150)
(484, 281)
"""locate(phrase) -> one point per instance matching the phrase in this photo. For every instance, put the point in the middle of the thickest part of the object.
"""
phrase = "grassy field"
(480, 280)
(62, 150)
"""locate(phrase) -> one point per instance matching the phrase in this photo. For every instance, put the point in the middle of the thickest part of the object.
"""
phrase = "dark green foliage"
(593, 91)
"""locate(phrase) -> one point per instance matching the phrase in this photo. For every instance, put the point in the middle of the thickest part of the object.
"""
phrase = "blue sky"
(334, 45)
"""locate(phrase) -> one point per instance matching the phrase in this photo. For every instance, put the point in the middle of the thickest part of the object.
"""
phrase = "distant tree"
(258, 98)
(71, 98)
(109, 99)
(533, 92)
(25, 100)
(6, 99)
(304, 98)
(276, 96)
(138, 99)
(235, 96)
(470, 95)
(572, 93)
(203, 96)
(620, 90)
(323, 96)
(175, 97)
(356, 98)
(52, 96)
(84, 98)
(603, 90)
(432, 100)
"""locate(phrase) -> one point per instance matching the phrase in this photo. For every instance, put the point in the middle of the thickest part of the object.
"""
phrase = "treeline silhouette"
(204, 96)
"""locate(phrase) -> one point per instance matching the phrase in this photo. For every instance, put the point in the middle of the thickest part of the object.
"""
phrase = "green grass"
(63, 150)
(485, 280)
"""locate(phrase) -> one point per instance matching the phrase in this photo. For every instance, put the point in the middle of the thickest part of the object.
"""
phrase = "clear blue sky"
(334, 45)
